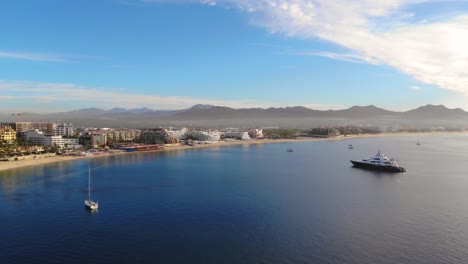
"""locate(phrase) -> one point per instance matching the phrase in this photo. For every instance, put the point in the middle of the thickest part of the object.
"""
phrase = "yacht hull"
(368, 166)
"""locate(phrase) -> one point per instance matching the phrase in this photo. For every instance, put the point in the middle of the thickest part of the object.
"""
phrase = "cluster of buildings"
(39, 133)
(169, 136)
(64, 135)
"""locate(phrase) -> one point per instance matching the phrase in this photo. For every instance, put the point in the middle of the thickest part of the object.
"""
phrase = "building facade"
(48, 128)
(7, 134)
(98, 138)
(158, 136)
(64, 129)
(256, 133)
(239, 135)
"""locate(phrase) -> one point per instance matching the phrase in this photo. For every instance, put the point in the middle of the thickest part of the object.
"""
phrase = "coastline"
(9, 165)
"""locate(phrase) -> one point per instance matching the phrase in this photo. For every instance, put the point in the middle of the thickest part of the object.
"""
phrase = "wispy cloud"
(414, 87)
(32, 56)
(47, 57)
(337, 56)
(430, 49)
(55, 95)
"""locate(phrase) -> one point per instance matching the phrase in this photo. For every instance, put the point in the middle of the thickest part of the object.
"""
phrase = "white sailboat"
(90, 205)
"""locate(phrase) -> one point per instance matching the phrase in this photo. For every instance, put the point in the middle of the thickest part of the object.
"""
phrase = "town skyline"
(170, 55)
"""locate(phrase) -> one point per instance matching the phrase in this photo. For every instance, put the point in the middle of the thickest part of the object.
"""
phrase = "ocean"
(245, 204)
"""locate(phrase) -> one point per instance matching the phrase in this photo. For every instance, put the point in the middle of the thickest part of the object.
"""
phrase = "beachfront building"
(179, 134)
(48, 128)
(256, 133)
(239, 135)
(211, 135)
(159, 136)
(64, 129)
(121, 135)
(53, 141)
(23, 126)
(70, 143)
(7, 134)
(36, 137)
(98, 138)
(33, 137)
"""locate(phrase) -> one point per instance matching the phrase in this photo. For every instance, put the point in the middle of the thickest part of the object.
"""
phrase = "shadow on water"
(378, 173)
(91, 212)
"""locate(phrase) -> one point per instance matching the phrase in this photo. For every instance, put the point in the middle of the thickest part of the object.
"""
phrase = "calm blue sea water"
(245, 204)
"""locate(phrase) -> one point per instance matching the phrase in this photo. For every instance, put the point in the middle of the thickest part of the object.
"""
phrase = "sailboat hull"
(90, 205)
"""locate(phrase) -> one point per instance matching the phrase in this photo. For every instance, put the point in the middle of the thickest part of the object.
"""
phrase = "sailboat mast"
(89, 183)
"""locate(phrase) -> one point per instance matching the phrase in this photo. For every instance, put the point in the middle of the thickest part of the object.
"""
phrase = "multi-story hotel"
(64, 129)
(158, 136)
(7, 134)
(121, 135)
(98, 138)
(23, 126)
(48, 128)
(36, 137)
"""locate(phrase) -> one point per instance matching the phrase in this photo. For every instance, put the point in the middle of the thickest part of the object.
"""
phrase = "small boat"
(350, 146)
(90, 204)
(378, 162)
(290, 150)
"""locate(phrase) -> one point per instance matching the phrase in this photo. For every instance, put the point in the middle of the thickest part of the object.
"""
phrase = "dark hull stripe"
(368, 166)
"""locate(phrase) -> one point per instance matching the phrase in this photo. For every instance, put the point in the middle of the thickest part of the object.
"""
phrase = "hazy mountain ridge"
(145, 117)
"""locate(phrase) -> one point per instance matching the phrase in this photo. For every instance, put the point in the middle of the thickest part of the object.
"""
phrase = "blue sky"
(323, 54)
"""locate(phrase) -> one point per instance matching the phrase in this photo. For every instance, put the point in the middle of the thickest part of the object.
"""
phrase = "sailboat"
(90, 205)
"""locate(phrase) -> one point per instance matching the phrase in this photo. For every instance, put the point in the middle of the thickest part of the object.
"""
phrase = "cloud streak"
(76, 96)
(32, 56)
(373, 31)
(48, 57)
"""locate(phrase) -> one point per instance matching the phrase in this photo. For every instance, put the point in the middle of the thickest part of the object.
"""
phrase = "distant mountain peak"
(202, 106)
(118, 110)
(364, 107)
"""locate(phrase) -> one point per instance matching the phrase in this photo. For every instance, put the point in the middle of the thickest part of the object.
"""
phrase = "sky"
(171, 54)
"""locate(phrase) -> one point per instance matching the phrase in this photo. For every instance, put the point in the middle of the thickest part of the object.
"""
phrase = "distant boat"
(90, 205)
(378, 162)
(350, 146)
(290, 150)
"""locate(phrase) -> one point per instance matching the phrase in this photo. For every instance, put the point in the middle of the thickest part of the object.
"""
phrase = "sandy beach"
(7, 165)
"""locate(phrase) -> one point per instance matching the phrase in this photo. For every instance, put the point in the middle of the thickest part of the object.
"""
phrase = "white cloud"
(337, 56)
(48, 57)
(374, 31)
(55, 95)
(32, 56)
(414, 87)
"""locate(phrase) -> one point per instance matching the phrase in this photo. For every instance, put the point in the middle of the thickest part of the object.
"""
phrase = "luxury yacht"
(378, 162)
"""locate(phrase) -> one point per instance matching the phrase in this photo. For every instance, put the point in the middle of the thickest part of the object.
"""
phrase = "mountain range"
(209, 115)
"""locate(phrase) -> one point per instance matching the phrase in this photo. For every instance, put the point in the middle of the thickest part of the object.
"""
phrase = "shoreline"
(9, 165)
